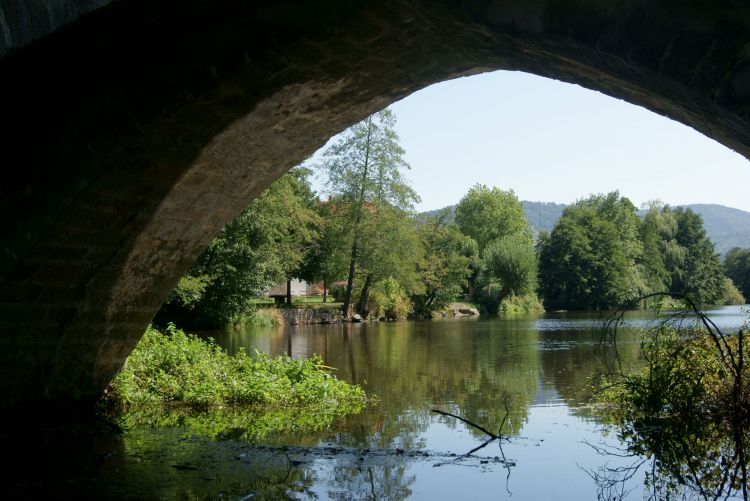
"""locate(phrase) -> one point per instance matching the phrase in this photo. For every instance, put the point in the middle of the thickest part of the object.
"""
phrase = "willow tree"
(487, 216)
(509, 266)
(364, 172)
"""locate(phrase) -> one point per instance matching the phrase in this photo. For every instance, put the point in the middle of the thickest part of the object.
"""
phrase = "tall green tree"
(445, 267)
(589, 259)
(364, 176)
(294, 197)
(701, 276)
(599, 255)
(390, 250)
(661, 252)
(679, 257)
(487, 214)
(327, 259)
(737, 266)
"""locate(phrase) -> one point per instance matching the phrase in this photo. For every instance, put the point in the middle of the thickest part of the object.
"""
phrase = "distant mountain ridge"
(727, 227)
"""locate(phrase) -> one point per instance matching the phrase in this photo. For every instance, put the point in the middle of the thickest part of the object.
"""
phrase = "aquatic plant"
(178, 372)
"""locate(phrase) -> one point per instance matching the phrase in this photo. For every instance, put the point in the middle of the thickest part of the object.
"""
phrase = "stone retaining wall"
(300, 316)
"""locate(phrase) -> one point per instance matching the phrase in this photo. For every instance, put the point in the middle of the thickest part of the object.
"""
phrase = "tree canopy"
(509, 266)
(365, 234)
(588, 261)
(600, 254)
(366, 184)
(446, 265)
(487, 214)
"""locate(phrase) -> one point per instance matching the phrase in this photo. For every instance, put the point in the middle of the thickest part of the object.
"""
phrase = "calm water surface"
(540, 367)
(530, 374)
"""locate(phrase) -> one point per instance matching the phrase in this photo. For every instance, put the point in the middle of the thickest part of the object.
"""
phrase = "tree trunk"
(289, 291)
(325, 290)
(430, 299)
(350, 280)
(363, 296)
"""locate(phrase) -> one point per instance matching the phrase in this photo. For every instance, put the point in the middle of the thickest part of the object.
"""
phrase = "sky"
(551, 141)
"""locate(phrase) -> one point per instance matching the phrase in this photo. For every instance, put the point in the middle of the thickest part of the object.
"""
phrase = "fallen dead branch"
(470, 423)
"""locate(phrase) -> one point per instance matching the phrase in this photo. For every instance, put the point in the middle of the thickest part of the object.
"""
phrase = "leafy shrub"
(662, 302)
(389, 300)
(338, 291)
(260, 317)
(180, 368)
(523, 303)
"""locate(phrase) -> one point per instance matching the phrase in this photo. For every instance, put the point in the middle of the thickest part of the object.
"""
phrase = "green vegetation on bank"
(372, 204)
(366, 245)
(261, 247)
(181, 370)
(363, 243)
(588, 260)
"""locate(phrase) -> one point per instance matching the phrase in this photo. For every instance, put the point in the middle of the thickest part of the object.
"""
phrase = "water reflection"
(465, 367)
(470, 368)
(682, 461)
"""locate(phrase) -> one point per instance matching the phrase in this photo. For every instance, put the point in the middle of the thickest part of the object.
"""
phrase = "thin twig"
(478, 427)
(507, 413)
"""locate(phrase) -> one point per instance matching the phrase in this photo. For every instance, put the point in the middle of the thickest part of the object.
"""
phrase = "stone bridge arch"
(131, 132)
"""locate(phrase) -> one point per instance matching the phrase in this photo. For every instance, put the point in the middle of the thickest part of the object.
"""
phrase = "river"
(530, 375)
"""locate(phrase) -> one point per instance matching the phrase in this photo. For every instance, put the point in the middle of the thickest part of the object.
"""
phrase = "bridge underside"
(132, 135)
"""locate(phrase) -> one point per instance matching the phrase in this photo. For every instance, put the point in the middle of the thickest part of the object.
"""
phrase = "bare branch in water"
(478, 427)
(507, 464)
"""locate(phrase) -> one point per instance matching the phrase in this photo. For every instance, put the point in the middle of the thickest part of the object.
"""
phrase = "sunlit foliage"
(182, 369)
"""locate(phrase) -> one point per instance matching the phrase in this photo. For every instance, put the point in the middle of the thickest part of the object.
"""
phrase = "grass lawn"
(466, 303)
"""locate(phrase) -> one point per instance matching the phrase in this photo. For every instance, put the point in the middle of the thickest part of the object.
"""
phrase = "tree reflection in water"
(388, 482)
(685, 417)
(492, 438)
